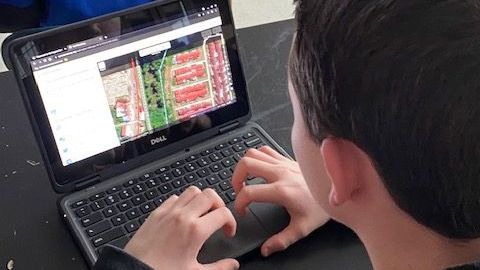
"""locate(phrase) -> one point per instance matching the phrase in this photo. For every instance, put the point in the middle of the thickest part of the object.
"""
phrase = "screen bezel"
(128, 156)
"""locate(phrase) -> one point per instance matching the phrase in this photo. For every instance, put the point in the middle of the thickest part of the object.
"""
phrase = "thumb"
(225, 264)
(281, 240)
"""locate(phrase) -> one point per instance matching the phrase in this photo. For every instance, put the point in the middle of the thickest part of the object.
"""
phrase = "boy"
(386, 101)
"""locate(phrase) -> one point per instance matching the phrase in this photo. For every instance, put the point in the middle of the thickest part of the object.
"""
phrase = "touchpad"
(250, 235)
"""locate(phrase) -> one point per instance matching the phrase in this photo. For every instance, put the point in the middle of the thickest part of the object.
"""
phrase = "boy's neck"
(398, 242)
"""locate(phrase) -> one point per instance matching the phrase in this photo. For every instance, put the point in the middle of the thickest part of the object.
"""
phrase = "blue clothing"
(60, 12)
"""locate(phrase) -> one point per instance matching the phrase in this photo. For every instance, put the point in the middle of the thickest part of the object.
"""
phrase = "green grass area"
(154, 94)
(117, 122)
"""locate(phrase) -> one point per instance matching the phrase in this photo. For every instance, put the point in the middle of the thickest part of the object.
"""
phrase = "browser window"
(104, 92)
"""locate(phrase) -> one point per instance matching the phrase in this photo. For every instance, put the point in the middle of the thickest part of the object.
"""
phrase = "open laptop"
(133, 107)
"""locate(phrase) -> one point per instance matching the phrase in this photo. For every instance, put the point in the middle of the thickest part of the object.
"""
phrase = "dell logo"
(158, 140)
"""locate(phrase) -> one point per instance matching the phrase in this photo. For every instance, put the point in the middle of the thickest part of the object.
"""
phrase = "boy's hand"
(173, 234)
(285, 186)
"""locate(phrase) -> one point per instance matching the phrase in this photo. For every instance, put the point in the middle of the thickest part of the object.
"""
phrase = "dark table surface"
(32, 234)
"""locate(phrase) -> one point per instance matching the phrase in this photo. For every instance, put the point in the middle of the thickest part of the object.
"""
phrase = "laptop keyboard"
(114, 215)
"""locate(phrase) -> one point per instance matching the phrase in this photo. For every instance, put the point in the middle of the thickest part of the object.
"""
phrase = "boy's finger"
(281, 240)
(215, 220)
(187, 196)
(256, 154)
(256, 193)
(253, 167)
(204, 202)
(271, 152)
(225, 264)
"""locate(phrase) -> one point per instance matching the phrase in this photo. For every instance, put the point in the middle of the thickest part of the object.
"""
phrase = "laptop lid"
(109, 94)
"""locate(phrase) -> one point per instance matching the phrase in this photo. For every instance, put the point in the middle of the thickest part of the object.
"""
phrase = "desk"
(33, 235)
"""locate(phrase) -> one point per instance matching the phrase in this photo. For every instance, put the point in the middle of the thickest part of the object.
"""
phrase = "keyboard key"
(130, 183)
(227, 152)
(91, 219)
(177, 164)
(178, 172)
(225, 185)
(239, 147)
(235, 140)
(224, 197)
(142, 219)
(111, 199)
(124, 206)
(153, 183)
(151, 194)
(133, 213)
(146, 176)
(215, 157)
(147, 207)
(114, 190)
(225, 174)
(251, 142)
(79, 203)
(248, 135)
(158, 201)
(98, 228)
(190, 167)
(216, 167)
(203, 162)
(139, 188)
(202, 184)
(139, 199)
(166, 188)
(178, 183)
(237, 157)
(213, 179)
(203, 172)
(193, 157)
(190, 178)
(108, 236)
(207, 152)
(97, 205)
(126, 193)
(165, 177)
(120, 242)
(132, 226)
(110, 211)
(228, 162)
(162, 170)
(221, 146)
(216, 189)
(97, 196)
(258, 146)
(119, 219)
(82, 211)
(231, 195)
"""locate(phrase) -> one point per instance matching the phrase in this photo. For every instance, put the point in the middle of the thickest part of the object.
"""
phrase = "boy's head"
(400, 82)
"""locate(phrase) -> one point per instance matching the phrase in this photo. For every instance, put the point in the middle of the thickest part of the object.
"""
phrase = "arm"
(285, 185)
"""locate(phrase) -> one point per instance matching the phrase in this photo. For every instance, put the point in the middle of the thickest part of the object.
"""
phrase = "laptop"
(135, 106)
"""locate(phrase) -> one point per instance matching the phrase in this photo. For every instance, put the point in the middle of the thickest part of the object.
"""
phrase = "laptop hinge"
(228, 127)
(88, 182)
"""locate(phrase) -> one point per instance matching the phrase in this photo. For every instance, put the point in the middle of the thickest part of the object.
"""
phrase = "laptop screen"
(113, 89)
(103, 92)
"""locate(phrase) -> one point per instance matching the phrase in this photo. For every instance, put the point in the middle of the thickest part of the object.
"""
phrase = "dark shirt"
(113, 258)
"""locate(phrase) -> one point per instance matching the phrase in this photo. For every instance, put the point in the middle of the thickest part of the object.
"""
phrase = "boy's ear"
(342, 163)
